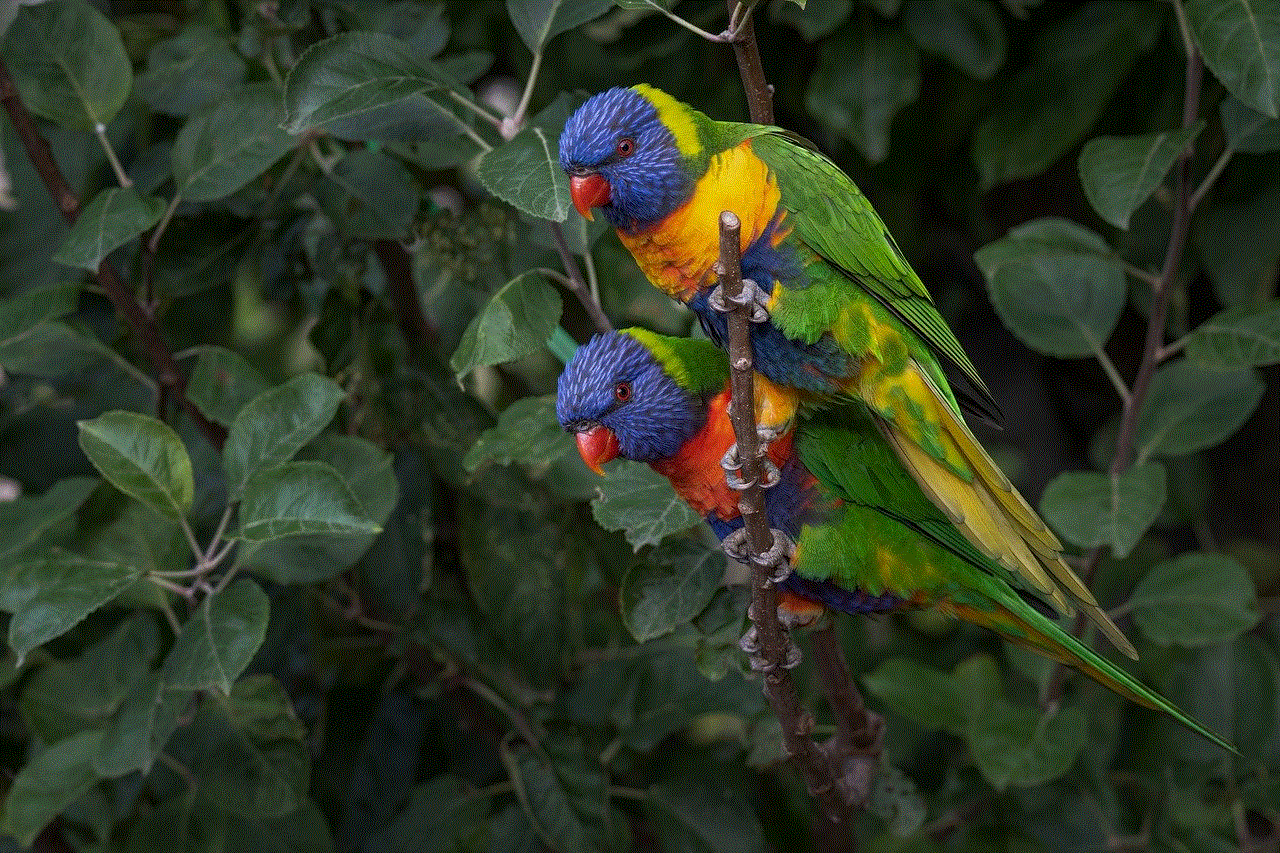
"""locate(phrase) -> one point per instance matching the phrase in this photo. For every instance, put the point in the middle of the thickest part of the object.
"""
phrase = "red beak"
(597, 446)
(588, 191)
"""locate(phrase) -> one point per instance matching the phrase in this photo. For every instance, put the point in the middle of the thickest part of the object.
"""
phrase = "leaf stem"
(476, 108)
(576, 284)
(1141, 274)
(100, 130)
(693, 28)
(1221, 163)
(517, 720)
(1109, 368)
(517, 118)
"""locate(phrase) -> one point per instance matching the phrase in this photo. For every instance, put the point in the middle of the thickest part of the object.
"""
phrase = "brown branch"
(577, 285)
(745, 50)
(143, 325)
(397, 269)
(858, 730)
(1153, 345)
(812, 761)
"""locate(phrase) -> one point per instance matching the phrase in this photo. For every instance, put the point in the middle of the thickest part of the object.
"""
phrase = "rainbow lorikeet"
(868, 539)
(843, 315)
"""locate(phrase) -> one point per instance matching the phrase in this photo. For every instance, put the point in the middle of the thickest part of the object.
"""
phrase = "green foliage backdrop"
(298, 559)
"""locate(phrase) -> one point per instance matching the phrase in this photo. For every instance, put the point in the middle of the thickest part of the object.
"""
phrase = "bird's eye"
(626, 147)
(622, 391)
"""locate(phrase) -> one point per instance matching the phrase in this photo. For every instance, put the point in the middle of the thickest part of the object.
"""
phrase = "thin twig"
(577, 285)
(1221, 163)
(397, 269)
(172, 380)
(759, 92)
(100, 130)
(1109, 368)
(517, 118)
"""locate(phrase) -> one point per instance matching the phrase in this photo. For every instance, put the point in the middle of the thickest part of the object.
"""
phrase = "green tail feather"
(1058, 645)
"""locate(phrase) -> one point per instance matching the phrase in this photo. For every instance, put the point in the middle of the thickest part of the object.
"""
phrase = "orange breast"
(677, 254)
(695, 471)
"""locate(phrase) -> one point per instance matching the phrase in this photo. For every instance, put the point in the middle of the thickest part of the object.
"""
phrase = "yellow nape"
(675, 116)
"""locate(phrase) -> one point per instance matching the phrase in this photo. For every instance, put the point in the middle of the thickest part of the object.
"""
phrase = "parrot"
(839, 313)
(867, 538)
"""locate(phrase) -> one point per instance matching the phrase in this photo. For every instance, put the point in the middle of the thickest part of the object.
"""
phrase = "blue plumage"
(646, 185)
(658, 419)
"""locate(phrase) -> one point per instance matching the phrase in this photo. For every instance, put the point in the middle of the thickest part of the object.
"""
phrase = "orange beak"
(597, 446)
(588, 191)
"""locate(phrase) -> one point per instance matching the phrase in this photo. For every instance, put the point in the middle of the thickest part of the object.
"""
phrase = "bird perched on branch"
(867, 538)
(839, 312)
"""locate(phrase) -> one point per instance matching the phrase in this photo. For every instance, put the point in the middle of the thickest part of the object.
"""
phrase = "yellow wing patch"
(676, 117)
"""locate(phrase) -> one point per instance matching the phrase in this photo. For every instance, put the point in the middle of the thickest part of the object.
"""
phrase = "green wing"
(833, 218)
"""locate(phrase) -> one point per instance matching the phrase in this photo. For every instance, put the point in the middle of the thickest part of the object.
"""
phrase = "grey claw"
(778, 556)
(731, 461)
(735, 545)
(752, 295)
(770, 476)
(750, 641)
(793, 657)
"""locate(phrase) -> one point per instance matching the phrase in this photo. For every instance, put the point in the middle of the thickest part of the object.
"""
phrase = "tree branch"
(1153, 351)
(745, 50)
(397, 269)
(779, 689)
(171, 378)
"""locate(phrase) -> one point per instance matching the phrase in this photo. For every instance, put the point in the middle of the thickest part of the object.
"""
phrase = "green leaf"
(222, 383)
(142, 457)
(189, 71)
(357, 84)
(670, 587)
(64, 588)
(1119, 173)
(1232, 689)
(1197, 599)
(1017, 745)
(895, 800)
(516, 321)
(539, 21)
(527, 432)
(1078, 62)
(864, 76)
(230, 144)
(219, 640)
(544, 795)
(515, 564)
(815, 22)
(641, 503)
(48, 784)
(968, 33)
(1189, 408)
(273, 426)
(64, 697)
(138, 730)
(68, 62)
(525, 172)
(1091, 509)
(924, 695)
(50, 350)
(717, 816)
(1238, 337)
(1248, 130)
(1240, 42)
(300, 499)
(114, 217)
(371, 196)
(1235, 242)
(24, 519)
(247, 751)
(441, 815)
(21, 314)
(1056, 286)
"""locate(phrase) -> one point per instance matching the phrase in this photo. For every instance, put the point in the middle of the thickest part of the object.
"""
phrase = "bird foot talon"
(752, 295)
(778, 557)
(735, 545)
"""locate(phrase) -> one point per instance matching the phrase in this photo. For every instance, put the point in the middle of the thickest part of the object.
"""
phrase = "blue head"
(619, 401)
(626, 151)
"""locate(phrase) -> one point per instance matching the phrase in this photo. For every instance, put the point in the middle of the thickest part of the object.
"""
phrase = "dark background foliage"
(339, 582)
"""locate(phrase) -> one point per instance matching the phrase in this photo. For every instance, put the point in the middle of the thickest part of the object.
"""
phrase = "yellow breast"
(677, 254)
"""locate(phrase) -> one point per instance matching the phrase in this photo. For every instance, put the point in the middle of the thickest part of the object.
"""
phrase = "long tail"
(984, 506)
(1031, 629)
